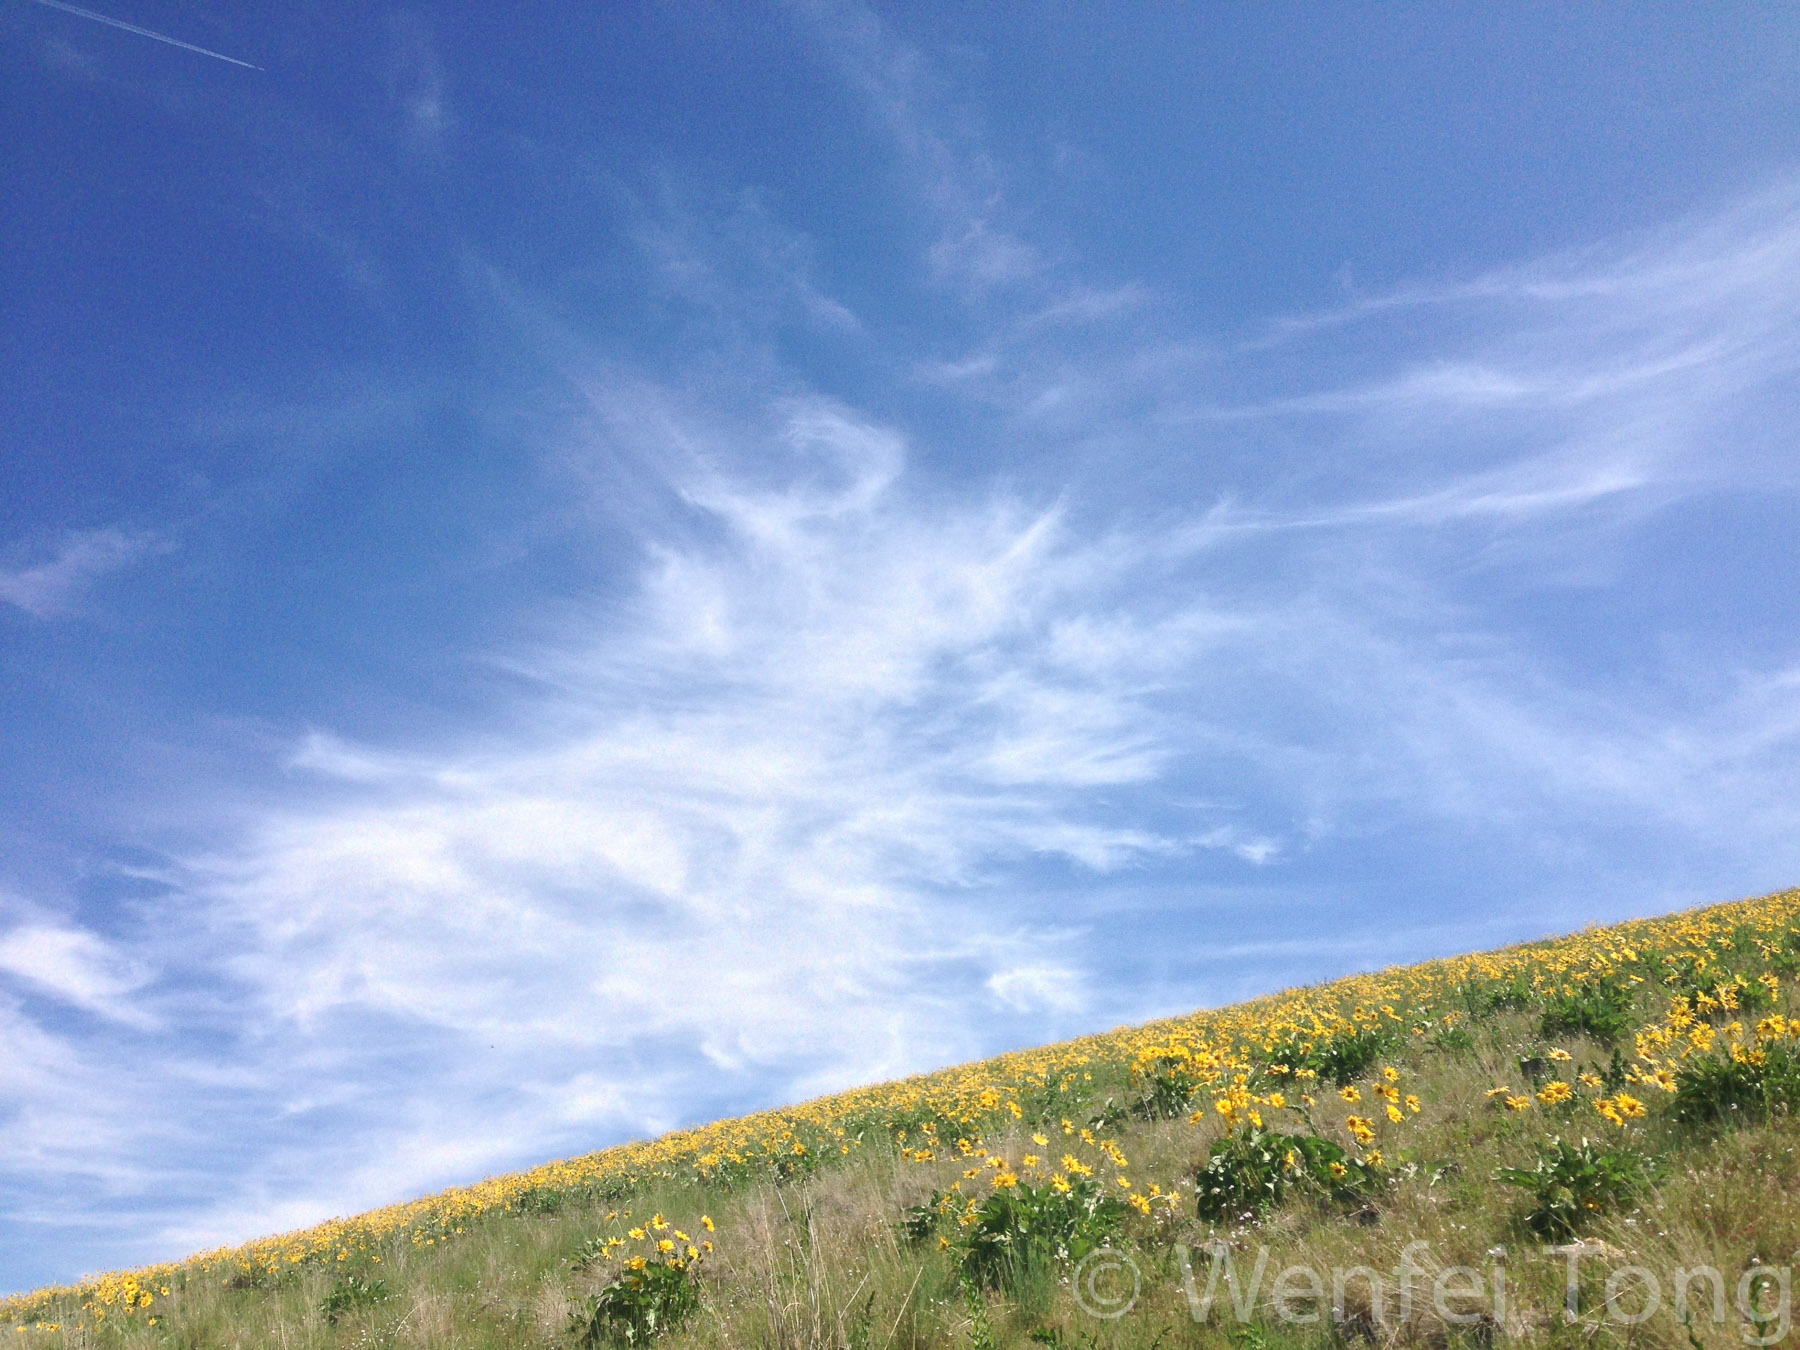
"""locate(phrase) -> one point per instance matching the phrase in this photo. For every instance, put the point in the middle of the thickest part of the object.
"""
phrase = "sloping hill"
(1446, 1153)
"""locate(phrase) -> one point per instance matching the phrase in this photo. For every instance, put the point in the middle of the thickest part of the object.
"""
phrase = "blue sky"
(566, 574)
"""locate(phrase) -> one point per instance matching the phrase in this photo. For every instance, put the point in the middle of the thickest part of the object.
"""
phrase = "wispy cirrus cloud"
(826, 696)
(975, 244)
(56, 585)
(74, 967)
(418, 84)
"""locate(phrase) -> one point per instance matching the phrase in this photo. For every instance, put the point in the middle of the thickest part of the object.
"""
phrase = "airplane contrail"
(143, 32)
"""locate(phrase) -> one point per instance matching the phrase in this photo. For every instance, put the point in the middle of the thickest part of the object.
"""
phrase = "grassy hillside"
(1607, 1115)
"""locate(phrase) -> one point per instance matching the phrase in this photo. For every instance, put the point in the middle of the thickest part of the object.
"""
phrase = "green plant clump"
(1340, 1058)
(1723, 1087)
(1572, 1184)
(1251, 1171)
(1169, 1086)
(1508, 994)
(638, 1306)
(350, 1293)
(1601, 1009)
(1023, 1228)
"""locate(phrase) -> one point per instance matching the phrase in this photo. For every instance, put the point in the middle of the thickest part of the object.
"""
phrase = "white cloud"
(977, 252)
(738, 268)
(76, 967)
(417, 84)
(322, 753)
(1027, 989)
(1252, 848)
(953, 178)
(56, 585)
(823, 718)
